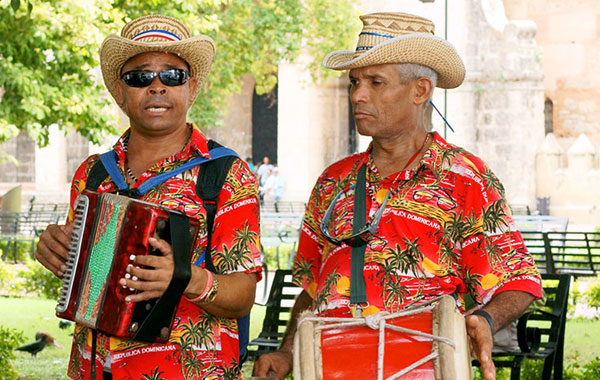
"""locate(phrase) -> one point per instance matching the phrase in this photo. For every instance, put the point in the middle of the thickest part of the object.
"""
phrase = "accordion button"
(132, 257)
(164, 332)
(127, 275)
(134, 278)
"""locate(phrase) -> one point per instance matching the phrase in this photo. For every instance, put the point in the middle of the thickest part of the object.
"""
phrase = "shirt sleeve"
(235, 239)
(310, 246)
(494, 256)
(79, 181)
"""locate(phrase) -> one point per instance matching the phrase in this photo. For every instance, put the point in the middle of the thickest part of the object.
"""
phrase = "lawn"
(30, 315)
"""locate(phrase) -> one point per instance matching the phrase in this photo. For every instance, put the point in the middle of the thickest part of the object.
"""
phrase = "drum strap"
(358, 290)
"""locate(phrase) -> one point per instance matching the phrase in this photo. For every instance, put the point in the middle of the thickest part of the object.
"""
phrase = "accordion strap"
(162, 311)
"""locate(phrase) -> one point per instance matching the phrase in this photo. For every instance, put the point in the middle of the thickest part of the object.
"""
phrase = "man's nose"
(157, 86)
(359, 94)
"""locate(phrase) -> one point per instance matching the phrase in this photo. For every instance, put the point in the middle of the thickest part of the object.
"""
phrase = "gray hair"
(412, 71)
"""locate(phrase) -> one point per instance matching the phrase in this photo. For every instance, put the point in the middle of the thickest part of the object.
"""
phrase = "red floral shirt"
(446, 229)
(201, 345)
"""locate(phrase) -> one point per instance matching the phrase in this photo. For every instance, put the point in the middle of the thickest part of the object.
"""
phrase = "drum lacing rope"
(378, 321)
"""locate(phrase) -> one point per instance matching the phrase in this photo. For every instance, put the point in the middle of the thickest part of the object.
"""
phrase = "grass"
(30, 315)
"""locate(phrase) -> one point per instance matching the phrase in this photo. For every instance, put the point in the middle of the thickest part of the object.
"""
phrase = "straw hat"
(401, 38)
(155, 33)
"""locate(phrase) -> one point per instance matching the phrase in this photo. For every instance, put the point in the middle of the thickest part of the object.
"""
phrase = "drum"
(424, 342)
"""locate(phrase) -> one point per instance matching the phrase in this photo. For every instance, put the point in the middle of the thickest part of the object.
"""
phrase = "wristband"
(209, 281)
(487, 317)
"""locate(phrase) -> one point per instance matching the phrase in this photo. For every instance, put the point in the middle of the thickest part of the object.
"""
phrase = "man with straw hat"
(154, 70)
(434, 220)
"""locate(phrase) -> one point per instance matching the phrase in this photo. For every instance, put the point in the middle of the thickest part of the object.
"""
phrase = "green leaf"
(15, 4)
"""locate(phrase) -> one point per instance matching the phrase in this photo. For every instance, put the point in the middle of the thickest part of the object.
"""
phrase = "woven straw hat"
(155, 33)
(401, 38)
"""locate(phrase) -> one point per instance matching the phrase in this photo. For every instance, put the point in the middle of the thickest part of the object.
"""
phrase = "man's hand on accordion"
(153, 280)
(53, 246)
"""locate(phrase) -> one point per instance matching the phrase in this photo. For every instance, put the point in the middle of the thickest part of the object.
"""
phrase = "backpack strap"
(109, 161)
(96, 176)
(210, 181)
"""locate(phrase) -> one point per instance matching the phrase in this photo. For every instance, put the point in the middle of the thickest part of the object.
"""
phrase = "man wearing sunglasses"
(154, 70)
(413, 217)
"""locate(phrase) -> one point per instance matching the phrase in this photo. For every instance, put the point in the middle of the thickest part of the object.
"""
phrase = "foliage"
(23, 250)
(7, 279)
(48, 73)
(40, 280)
(592, 294)
(574, 298)
(280, 254)
(9, 340)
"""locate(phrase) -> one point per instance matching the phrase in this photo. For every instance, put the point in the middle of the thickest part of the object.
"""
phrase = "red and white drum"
(425, 342)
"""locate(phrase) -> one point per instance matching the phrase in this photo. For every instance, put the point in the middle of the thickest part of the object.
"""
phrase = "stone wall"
(501, 100)
(570, 179)
(569, 36)
(236, 131)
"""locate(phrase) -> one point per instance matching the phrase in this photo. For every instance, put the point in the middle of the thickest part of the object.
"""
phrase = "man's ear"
(193, 83)
(423, 89)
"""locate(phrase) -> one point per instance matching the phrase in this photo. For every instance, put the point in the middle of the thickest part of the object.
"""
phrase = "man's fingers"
(52, 249)
(161, 245)
(51, 262)
(481, 342)
(152, 261)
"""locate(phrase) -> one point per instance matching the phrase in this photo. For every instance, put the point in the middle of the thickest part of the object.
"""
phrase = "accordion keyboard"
(80, 213)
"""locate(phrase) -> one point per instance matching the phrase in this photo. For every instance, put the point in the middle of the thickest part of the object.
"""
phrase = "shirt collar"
(429, 159)
(197, 145)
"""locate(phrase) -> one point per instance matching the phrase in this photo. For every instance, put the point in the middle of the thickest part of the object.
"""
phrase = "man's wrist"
(488, 318)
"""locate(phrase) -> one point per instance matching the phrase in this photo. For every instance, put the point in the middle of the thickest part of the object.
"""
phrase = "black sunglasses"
(358, 238)
(142, 78)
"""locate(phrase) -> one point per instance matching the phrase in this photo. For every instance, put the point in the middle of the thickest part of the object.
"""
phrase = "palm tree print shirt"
(201, 345)
(446, 229)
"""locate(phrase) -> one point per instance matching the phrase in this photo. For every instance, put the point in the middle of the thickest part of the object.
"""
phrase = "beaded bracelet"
(209, 281)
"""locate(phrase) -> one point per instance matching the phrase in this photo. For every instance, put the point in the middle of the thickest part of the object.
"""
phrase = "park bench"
(541, 332)
(59, 208)
(541, 223)
(576, 253)
(16, 227)
(277, 314)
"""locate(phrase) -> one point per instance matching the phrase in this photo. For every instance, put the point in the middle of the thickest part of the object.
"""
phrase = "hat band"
(365, 48)
(156, 33)
(377, 34)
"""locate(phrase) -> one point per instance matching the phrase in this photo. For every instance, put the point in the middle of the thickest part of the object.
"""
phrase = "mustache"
(163, 100)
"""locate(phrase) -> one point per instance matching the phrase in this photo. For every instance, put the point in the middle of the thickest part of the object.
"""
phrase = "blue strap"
(109, 160)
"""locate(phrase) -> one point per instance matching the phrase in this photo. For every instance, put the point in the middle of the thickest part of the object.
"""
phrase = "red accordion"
(108, 230)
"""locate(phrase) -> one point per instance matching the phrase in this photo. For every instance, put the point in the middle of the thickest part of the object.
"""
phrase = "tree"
(49, 74)
(48, 69)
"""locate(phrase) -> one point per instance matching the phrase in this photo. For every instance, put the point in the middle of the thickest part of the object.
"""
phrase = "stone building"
(516, 90)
